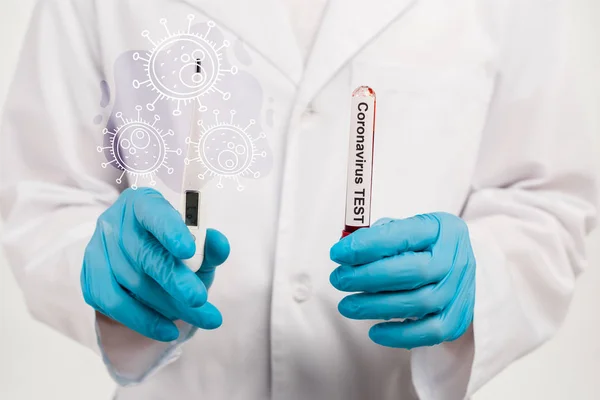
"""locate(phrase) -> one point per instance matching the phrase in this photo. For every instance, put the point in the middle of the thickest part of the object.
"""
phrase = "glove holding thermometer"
(148, 264)
(132, 270)
(420, 270)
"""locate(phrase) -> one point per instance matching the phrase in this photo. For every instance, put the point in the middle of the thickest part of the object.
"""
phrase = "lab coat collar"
(346, 27)
(262, 25)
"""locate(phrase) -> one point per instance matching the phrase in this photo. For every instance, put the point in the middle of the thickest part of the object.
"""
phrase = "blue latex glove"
(421, 268)
(133, 273)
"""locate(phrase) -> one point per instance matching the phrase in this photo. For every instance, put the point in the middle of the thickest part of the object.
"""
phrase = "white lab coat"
(481, 113)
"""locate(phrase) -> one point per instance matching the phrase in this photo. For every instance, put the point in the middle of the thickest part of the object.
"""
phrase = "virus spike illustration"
(138, 148)
(183, 66)
(226, 150)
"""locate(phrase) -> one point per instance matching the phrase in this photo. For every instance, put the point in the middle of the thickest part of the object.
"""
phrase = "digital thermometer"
(191, 197)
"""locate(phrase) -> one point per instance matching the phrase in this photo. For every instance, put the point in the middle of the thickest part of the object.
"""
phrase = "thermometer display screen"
(192, 205)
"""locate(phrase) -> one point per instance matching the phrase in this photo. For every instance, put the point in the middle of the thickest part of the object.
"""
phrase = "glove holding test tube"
(420, 270)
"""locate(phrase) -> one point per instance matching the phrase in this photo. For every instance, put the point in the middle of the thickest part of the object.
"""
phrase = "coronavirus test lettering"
(360, 160)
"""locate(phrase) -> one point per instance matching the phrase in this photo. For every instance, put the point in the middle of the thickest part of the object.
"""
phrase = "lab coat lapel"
(261, 24)
(348, 26)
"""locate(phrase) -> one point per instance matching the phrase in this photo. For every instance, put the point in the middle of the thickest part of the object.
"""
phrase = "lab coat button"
(302, 289)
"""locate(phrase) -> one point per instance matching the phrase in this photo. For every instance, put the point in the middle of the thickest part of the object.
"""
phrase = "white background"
(38, 363)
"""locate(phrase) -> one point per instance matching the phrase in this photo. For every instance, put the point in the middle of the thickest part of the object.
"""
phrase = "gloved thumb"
(216, 251)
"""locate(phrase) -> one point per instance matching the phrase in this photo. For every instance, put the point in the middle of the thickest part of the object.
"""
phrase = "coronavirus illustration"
(226, 150)
(138, 148)
(183, 66)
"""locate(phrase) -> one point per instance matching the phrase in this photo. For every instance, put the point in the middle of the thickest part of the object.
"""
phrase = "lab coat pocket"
(430, 120)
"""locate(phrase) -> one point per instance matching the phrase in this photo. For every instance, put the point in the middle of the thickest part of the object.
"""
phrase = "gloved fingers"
(206, 317)
(147, 289)
(392, 238)
(207, 278)
(418, 303)
(143, 251)
(136, 316)
(156, 215)
(216, 250)
(150, 293)
(409, 334)
(171, 274)
(406, 271)
(431, 330)
(103, 293)
(462, 306)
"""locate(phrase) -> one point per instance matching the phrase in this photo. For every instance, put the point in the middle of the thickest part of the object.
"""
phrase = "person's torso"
(272, 152)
